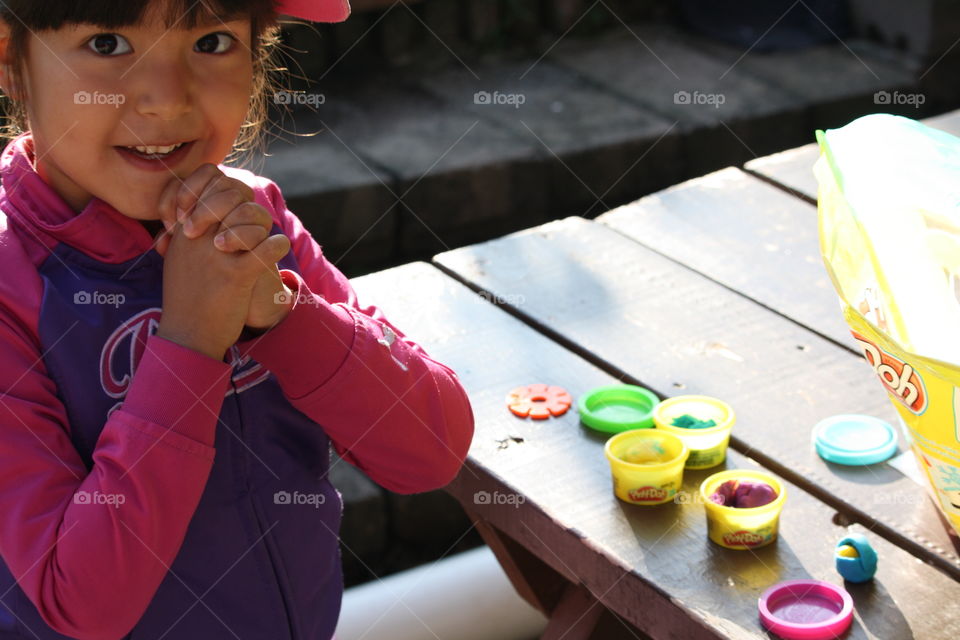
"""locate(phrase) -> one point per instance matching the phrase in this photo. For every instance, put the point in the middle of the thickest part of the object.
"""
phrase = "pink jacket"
(93, 405)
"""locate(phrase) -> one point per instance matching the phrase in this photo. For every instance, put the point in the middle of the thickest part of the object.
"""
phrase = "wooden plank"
(534, 580)
(576, 616)
(732, 228)
(793, 169)
(745, 234)
(656, 323)
(543, 587)
(949, 122)
(548, 487)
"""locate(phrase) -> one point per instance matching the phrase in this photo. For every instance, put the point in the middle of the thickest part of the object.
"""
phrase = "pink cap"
(315, 10)
(806, 610)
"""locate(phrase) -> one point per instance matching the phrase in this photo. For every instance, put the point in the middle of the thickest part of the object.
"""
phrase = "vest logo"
(897, 376)
(742, 538)
(123, 350)
(247, 373)
(647, 494)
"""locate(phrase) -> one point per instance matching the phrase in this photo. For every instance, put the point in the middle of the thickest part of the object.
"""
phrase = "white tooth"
(152, 150)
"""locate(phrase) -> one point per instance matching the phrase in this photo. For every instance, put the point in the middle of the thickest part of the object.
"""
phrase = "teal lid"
(618, 407)
(852, 439)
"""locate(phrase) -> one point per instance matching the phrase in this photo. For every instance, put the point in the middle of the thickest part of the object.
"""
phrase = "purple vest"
(261, 558)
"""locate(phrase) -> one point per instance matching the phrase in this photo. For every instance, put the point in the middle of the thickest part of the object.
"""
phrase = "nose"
(164, 88)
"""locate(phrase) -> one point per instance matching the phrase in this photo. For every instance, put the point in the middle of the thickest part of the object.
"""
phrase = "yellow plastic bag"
(889, 216)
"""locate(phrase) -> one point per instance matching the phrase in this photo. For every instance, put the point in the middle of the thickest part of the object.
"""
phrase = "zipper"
(252, 503)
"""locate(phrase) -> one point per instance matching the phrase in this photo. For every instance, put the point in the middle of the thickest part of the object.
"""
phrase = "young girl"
(168, 400)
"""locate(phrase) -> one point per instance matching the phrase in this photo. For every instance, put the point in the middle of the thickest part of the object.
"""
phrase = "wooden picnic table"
(712, 287)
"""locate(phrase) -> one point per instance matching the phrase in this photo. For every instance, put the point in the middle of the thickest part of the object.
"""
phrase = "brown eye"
(109, 44)
(214, 43)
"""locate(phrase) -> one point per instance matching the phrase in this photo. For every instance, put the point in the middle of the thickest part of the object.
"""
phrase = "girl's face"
(91, 95)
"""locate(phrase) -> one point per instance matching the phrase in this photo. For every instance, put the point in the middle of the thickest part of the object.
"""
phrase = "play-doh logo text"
(742, 538)
(647, 494)
(897, 376)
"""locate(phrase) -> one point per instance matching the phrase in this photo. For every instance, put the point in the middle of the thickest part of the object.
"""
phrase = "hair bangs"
(40, 15)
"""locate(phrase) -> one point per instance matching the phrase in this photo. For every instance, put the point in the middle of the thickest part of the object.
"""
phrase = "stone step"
(392, 33)
(409, 163)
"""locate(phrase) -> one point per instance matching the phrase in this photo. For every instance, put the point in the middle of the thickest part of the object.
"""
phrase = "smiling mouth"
(154, 152)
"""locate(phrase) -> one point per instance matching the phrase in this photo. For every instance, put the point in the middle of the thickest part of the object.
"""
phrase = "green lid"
(618, 407)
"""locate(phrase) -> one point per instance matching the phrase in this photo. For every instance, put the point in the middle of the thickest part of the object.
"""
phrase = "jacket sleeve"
(90, 548)
(388, 407)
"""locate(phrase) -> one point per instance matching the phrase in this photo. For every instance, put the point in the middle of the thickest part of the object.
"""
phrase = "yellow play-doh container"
(737, 528)
(647, 465)
(708, 446)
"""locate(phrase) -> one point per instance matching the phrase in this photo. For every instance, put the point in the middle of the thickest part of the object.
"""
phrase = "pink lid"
(315, 10)
(806, 610)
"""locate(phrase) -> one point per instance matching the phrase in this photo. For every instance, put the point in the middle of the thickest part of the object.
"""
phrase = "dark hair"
(26, 16)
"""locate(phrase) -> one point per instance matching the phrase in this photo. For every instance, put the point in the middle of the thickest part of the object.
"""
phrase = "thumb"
(273, 249)
(162, 243)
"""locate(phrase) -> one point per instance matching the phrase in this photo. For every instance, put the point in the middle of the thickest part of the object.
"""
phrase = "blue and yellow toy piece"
(856, 559)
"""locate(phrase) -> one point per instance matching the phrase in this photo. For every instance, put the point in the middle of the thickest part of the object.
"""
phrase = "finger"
(167, 204)
(211, 209)
(240, 238)
(192, 186)
(222, 182)
(247, 213)
(162, 243)
(269, 252)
